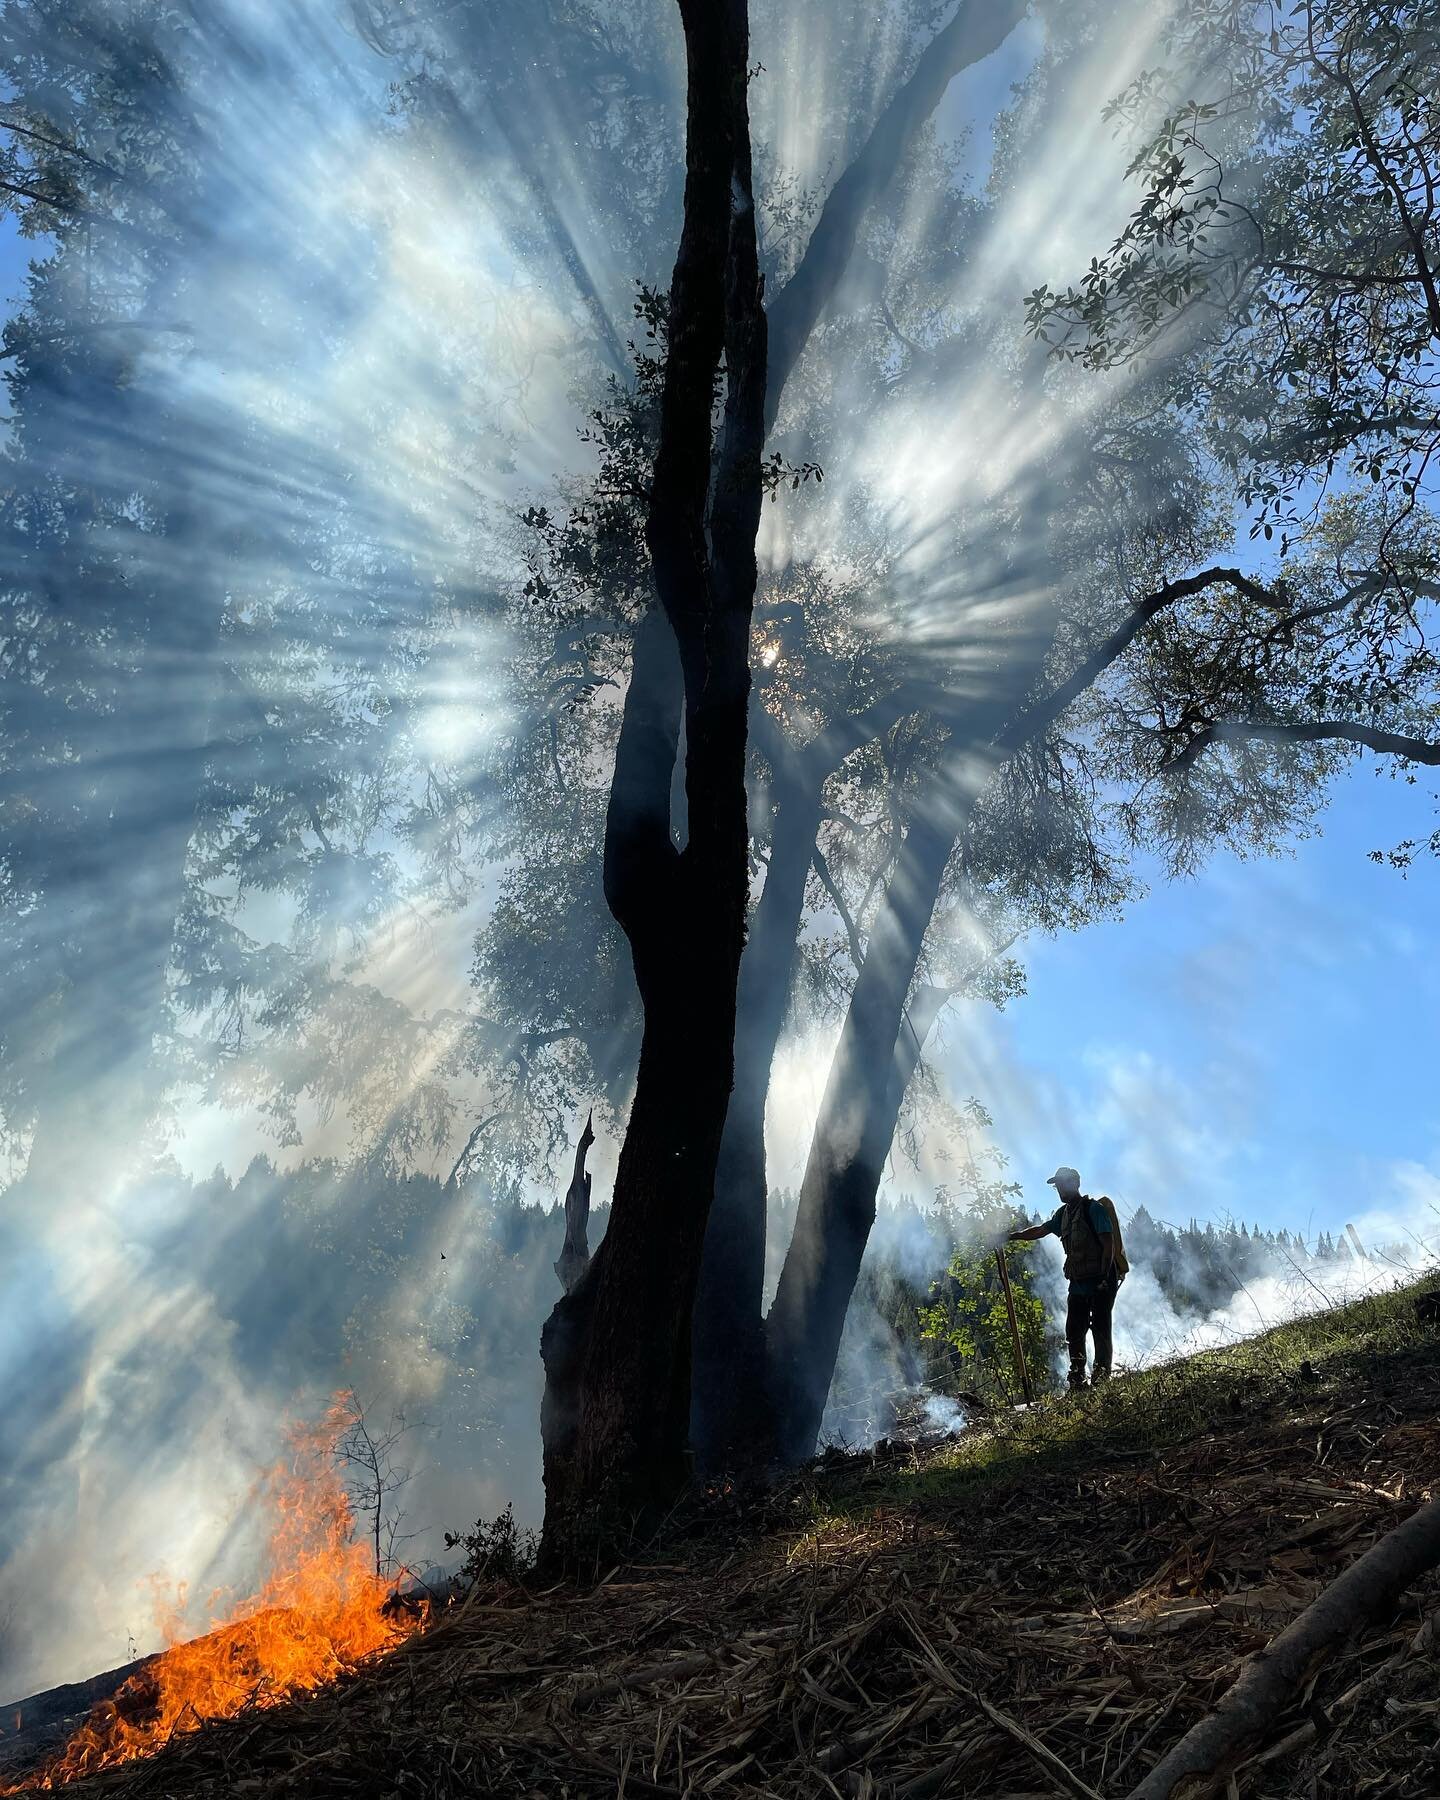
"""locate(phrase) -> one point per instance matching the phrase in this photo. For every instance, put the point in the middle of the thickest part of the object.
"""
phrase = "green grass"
(1151, 1409)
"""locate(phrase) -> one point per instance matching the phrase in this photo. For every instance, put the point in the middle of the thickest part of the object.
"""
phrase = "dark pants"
(1090, 1312)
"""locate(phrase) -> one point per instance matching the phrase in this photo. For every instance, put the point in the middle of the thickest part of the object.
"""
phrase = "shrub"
(496, 1550)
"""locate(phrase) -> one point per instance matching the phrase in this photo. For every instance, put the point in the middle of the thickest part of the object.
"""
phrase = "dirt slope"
(898, 1631)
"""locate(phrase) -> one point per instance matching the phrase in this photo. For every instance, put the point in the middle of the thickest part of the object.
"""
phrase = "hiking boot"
(1098, 1374)
(1077, 1382)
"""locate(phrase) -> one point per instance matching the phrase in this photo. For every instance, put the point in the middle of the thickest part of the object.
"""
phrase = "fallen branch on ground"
(1202, 1762)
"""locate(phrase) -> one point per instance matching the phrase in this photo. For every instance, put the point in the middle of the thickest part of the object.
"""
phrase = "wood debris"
(1040, 1634)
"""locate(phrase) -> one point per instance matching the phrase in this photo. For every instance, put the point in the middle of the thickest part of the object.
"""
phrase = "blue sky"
(15, 254)
(1258, 1041)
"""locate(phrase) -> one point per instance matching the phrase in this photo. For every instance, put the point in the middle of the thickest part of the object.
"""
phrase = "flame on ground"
(321, 1610)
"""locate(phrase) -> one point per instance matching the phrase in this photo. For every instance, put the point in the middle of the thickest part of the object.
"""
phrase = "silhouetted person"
(1083, 1226)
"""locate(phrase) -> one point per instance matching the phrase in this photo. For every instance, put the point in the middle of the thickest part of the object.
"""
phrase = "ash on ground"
(914, 1418)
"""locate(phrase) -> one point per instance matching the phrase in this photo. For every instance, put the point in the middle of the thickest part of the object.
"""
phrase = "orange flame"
(321, 1610)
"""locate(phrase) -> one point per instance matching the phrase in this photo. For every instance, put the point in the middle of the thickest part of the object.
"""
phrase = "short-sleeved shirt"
(1099, 1222)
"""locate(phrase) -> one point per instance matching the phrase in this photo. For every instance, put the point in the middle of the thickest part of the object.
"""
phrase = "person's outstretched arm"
(1029, 1234)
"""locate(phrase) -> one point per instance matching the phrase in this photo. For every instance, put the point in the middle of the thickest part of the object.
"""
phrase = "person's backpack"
(1122, 1262)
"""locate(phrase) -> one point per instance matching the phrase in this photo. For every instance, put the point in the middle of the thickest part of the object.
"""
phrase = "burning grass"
(1045, 1618)
(322, 1610)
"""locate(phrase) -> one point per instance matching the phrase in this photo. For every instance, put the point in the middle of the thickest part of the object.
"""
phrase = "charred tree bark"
(574, 1257)
(562, 1336)
(729, 1392)
(617, 1350)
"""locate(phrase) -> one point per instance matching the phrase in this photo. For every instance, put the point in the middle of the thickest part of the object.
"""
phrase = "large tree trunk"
(848, 1150)
(617, 1350)
(728, 1389)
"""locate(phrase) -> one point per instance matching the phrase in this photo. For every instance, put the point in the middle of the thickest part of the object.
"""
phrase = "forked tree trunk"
(728, 1388)
(728, 1392)
(838, 1199)
(617, 1349)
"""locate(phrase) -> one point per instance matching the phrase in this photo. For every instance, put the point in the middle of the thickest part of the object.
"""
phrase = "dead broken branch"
(1209, 1753)
(575, 1256)
(1047, 1759)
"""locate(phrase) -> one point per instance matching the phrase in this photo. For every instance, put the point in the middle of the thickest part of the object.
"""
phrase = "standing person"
(1086, 1228)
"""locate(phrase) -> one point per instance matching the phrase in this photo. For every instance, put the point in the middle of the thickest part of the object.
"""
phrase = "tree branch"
(1369, 737)
(29, 343)
(452, 1180)
(978, 27)
(830, 747)
(73, 210)
(1027, 723)
(842, 737)
(61, 144)
(827, 881)
(1356, 278)
(1211, 1751)
(1385, 175)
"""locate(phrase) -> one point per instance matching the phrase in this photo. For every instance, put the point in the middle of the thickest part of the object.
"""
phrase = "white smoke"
(942, 1414)
(877, 1392)
(435, 280)
(1150, 1329)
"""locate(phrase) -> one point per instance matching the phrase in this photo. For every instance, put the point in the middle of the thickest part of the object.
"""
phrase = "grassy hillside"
(1155, 1409)
(1082, 1580)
